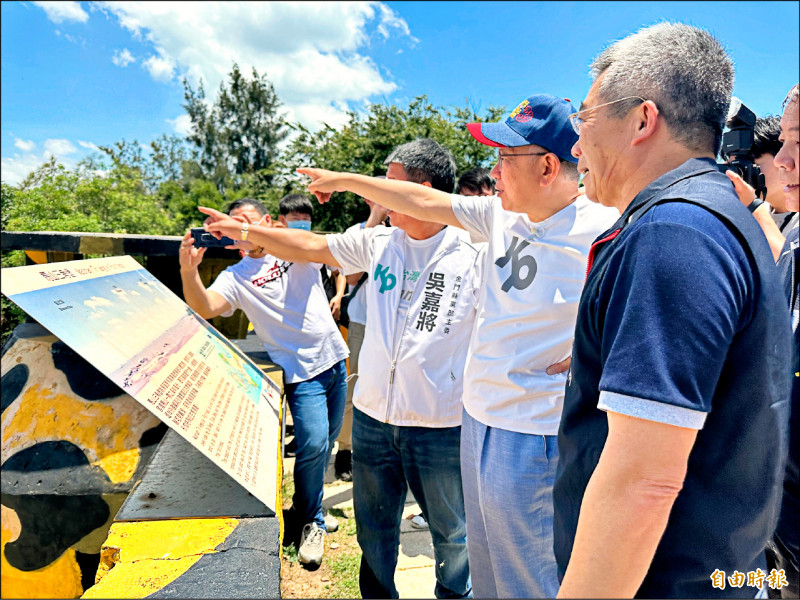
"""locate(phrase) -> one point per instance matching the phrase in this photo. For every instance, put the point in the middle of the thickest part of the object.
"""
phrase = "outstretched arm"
(419, 201)
(287, 244)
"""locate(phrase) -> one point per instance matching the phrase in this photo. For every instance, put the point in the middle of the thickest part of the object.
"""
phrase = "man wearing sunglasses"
(539, 229)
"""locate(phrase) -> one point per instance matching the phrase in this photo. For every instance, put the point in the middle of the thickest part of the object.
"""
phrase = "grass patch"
(287, 490)
(290, 553)
(344, 562)
(344, 575)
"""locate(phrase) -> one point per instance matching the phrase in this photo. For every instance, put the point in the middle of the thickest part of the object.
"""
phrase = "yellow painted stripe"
(154, 553)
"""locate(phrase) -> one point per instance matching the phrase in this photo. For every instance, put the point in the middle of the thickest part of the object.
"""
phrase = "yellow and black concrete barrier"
(188, 530)
(73, 445)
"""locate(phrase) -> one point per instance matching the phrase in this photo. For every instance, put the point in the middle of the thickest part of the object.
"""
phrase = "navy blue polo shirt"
(788, 532)
(683, 321)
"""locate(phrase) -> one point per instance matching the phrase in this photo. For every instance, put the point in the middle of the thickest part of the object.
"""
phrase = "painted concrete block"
(73, 445)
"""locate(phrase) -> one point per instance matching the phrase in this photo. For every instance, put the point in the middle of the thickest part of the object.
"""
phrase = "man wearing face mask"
(287, 305)
(296, 211)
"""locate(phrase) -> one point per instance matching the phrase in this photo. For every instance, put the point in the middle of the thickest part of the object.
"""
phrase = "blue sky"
(76, 75)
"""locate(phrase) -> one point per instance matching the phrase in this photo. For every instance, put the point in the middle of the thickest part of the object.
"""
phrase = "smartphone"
(203, 239)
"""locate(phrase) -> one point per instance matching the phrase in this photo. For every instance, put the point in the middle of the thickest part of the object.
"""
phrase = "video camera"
(736, 143)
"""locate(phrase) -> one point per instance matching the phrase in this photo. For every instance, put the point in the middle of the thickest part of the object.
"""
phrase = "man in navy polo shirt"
(666, 484)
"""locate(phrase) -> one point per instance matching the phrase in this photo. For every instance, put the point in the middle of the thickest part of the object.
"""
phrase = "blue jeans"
(508, 489)
(387, 459)
(317, 406)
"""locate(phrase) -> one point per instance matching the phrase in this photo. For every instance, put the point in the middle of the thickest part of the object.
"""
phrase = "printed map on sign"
(145, 339)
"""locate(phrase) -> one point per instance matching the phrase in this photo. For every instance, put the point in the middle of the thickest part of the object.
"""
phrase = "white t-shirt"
(289, 310)
(533, 275)
(411, 364)
(357, 308)
(357, 250)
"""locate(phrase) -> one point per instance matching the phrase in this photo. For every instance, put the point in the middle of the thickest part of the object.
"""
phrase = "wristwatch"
(245, 228)
(755, 204)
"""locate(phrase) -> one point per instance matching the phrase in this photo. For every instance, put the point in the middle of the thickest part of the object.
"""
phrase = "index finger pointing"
(308, 171)
(211, 212)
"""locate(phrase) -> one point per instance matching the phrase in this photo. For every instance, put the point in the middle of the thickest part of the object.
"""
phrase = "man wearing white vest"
(421, 297)
(539, 230)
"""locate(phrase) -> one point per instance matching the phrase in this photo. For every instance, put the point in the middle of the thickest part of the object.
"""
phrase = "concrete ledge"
(190, 558)
(112, 244)
(167, 552)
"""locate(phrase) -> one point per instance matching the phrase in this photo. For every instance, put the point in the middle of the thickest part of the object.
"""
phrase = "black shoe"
(290, 449)
(343, 465)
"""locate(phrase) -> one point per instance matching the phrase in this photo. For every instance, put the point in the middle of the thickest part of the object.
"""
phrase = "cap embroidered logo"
(525, 115)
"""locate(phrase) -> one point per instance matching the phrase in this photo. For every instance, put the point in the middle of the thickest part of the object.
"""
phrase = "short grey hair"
(424, 160)
(792, 96)
(685, 70)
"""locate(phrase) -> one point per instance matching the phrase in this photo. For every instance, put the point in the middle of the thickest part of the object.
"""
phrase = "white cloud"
(123, 58)
(310, 51)
(59, 147)
(58, 12)
(88, 146)
(15, 169)
(96, 301)
(160, 68)
(75, 40)
(25, 146)
(390, 20)
(147, 286)
(121, 294)
(182, 124)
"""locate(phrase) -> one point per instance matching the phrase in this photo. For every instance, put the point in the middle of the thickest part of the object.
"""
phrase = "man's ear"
(550, 168)
(282, 220)
(427, 184)
(646, 122)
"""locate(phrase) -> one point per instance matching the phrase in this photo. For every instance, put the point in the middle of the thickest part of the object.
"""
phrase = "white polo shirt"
(289, 310)
(533, 275)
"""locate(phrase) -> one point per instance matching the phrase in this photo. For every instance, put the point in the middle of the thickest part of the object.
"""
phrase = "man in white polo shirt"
(421, 297)
(289, 310)
(539, 232)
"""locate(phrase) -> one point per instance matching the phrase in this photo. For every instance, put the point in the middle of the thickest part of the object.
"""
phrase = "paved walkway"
(414, 576)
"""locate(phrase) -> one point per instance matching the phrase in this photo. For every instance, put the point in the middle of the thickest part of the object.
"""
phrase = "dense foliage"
(365, 142)
(239, 146)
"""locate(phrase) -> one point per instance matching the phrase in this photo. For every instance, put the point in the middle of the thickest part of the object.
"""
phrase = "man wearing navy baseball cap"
(539, 233)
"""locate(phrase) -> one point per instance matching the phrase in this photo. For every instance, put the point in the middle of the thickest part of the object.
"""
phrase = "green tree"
(171, 159)
(88, 198)
(55, 199)
(239, 133)
(366, 141)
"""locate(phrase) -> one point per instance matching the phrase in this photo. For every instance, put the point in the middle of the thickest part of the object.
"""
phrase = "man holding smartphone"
(289, 310)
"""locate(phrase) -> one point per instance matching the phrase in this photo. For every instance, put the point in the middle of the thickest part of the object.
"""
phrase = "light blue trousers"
(508, 496)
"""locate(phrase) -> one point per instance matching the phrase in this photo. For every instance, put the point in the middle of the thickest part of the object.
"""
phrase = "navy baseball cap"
(541, 119)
